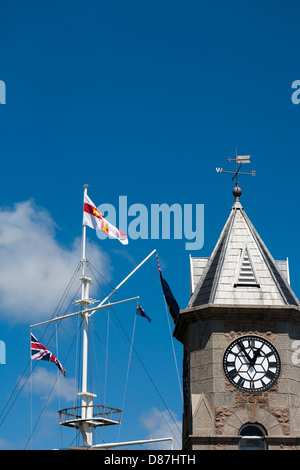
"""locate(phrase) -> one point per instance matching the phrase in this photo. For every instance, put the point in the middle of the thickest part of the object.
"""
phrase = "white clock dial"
(251, 363)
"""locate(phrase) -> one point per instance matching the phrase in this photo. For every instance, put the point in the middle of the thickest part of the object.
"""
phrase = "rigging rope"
(172, 342)
(106, 359)
(20, 379)
(126, 381)
(151, 380)
(132, 348)
(159, 394)
(147, 373)
(51, 390)
(113, 367)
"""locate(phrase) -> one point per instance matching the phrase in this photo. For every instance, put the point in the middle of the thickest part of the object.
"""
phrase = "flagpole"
(30, 393)
(86, 397)
(124, 280)
(84, 297)
(84, 234)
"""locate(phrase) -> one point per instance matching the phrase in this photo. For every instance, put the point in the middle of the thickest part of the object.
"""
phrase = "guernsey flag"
(94, 219)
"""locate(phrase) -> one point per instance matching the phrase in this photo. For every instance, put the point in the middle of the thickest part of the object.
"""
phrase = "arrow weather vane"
(239, 160)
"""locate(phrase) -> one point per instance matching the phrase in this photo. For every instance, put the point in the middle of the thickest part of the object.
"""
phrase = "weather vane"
(239, 161)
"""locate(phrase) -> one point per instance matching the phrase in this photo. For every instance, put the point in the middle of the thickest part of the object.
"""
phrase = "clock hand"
(245, 352)
(255, 356)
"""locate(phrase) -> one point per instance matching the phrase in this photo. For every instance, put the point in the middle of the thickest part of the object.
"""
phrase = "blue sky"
(142, 99)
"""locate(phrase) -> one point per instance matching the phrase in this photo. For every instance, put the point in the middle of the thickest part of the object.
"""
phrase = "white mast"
(88, 416)
(86, 398)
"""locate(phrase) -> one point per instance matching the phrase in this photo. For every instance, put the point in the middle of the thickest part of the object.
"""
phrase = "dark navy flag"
(39, 352)
(140, 311)
(170, 299)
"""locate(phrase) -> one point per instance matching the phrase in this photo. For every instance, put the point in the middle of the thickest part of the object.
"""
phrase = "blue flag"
(140, 311)
(170, 299)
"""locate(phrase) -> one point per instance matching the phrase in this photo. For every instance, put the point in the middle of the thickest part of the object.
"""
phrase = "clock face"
(251, 363)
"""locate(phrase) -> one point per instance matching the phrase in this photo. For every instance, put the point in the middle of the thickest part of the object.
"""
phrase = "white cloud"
(44, 381)
(35, 267)
(160, 424)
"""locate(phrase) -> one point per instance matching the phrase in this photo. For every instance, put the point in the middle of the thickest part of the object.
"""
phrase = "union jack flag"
(38, 351)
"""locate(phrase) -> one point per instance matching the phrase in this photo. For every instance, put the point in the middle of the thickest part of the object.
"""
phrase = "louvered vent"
(246, 275)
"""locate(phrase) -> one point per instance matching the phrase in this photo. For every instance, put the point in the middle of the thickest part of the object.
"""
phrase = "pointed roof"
(240, 270)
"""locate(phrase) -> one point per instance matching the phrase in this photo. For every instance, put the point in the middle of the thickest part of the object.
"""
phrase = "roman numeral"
(230, 364)
(232, 374)
(240, 382)
(273, 364)
(270, 375)
(252, 387)
(271, 353)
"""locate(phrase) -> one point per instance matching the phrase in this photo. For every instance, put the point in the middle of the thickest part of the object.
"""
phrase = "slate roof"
(217, 280)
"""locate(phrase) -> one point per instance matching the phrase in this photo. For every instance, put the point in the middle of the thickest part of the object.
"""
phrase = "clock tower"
(240, 333)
